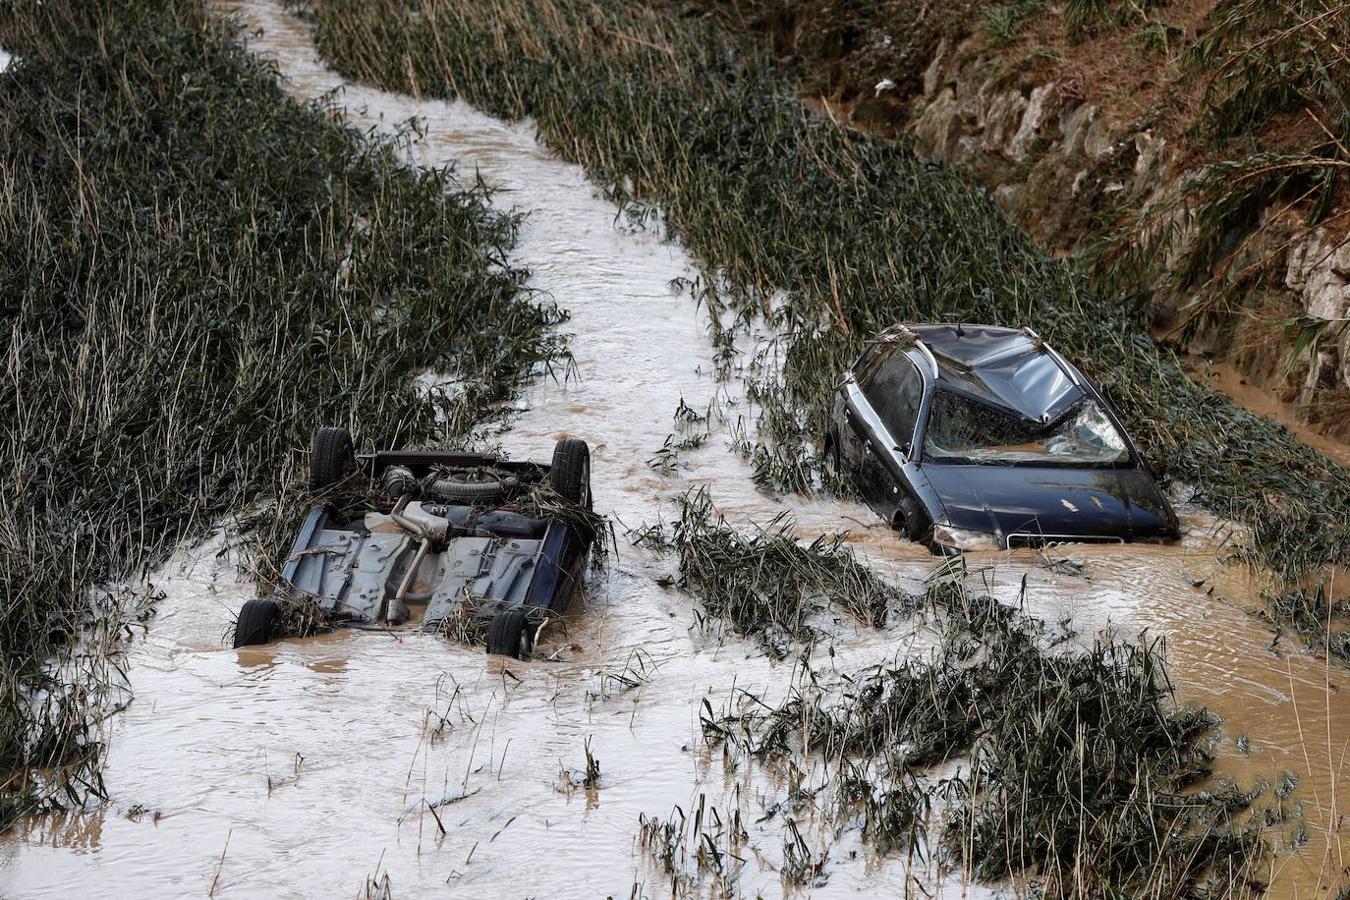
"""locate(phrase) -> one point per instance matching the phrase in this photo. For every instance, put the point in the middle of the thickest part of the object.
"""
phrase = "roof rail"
(918, 342)
(1053, 354)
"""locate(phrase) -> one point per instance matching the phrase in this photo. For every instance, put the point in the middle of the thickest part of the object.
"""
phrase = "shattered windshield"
(963, 429)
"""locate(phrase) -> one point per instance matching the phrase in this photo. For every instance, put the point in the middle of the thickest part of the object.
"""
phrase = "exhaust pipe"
(412, 518)
(396, 611)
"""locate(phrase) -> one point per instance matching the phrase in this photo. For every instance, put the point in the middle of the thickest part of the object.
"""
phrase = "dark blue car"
(969, 437)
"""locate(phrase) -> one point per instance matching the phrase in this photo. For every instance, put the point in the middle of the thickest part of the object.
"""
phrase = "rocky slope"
(1069, 169)
(1098, 126)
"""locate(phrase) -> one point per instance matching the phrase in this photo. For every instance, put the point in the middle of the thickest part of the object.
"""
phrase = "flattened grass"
(768, 585)
(1078, 766)
(195, 272)
(1080, 769)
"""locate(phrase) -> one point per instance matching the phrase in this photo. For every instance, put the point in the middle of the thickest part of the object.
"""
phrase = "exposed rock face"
(1319, 272)
(1068, 173)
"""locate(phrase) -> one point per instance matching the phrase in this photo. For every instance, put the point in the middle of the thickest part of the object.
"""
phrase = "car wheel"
(256, 621)
(332, 457)
(901, 525)
(912, 524)
(570, 474)
(509, 634)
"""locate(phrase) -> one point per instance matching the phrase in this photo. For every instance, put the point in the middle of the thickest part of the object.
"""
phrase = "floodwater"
(1227, 380)
(344, 764)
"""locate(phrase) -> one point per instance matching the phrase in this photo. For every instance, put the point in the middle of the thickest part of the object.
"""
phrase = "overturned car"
(968, 437)
(463, 537)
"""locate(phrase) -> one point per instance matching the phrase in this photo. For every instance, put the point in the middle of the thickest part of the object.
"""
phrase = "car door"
(881, 410)
(847, 416)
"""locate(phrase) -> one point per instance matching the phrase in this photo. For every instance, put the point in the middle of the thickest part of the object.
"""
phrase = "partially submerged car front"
(480, 545)
(974, 437)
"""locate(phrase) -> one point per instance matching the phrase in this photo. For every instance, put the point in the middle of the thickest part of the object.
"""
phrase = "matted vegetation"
(768, 585)
(1249, 91)
(197, 271)
(1080, 768)
(855, 232)
(841, 48)
(1078, 762)
(1274, 132)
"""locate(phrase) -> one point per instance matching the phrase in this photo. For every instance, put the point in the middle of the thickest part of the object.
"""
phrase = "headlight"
(961, 539)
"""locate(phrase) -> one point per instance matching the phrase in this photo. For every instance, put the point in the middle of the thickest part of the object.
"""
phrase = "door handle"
(867, 447)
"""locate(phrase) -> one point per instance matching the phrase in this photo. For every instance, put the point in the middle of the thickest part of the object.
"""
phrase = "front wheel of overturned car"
(332, 457)
(570, 474)
(256, 620)
(509, 634)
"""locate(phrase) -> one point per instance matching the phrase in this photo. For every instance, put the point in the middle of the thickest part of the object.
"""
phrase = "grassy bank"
(853, 230)
(195, 273)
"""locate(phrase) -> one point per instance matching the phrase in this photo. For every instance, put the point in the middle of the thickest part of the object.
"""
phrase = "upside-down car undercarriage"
(454, 542)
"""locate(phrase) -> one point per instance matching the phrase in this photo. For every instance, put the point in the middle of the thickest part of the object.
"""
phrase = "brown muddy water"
(342, 764)
(1227, 380)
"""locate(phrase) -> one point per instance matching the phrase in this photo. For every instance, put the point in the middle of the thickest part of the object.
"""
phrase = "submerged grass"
(767, 584)
(700, 851)
(1071, 766)
(195, 272)
(852, 232)
(1079, 763)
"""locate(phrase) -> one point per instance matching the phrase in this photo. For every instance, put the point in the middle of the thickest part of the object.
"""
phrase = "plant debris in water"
(766, 584)
(1079, 763)
(1081, 770)
(853, 232)
(706, 848)
(196, 272)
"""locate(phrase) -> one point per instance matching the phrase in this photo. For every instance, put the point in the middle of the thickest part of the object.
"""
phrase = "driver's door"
(881, 410)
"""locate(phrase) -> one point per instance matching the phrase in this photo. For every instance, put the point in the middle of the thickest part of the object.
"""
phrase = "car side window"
(894, 389)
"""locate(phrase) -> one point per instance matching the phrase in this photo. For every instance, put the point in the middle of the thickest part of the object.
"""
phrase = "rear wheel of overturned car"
(509, 634)
(332, 457)
(256, 620)
(570, 473)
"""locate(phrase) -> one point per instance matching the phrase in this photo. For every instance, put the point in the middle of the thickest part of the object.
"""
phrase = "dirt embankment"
(1166, 142)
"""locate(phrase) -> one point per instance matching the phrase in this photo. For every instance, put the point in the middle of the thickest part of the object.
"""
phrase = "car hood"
(1064, 502)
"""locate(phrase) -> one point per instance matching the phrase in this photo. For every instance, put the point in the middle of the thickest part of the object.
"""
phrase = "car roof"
(1009, 368)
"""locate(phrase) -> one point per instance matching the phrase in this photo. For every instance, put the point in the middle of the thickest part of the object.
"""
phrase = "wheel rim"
(586, 483)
